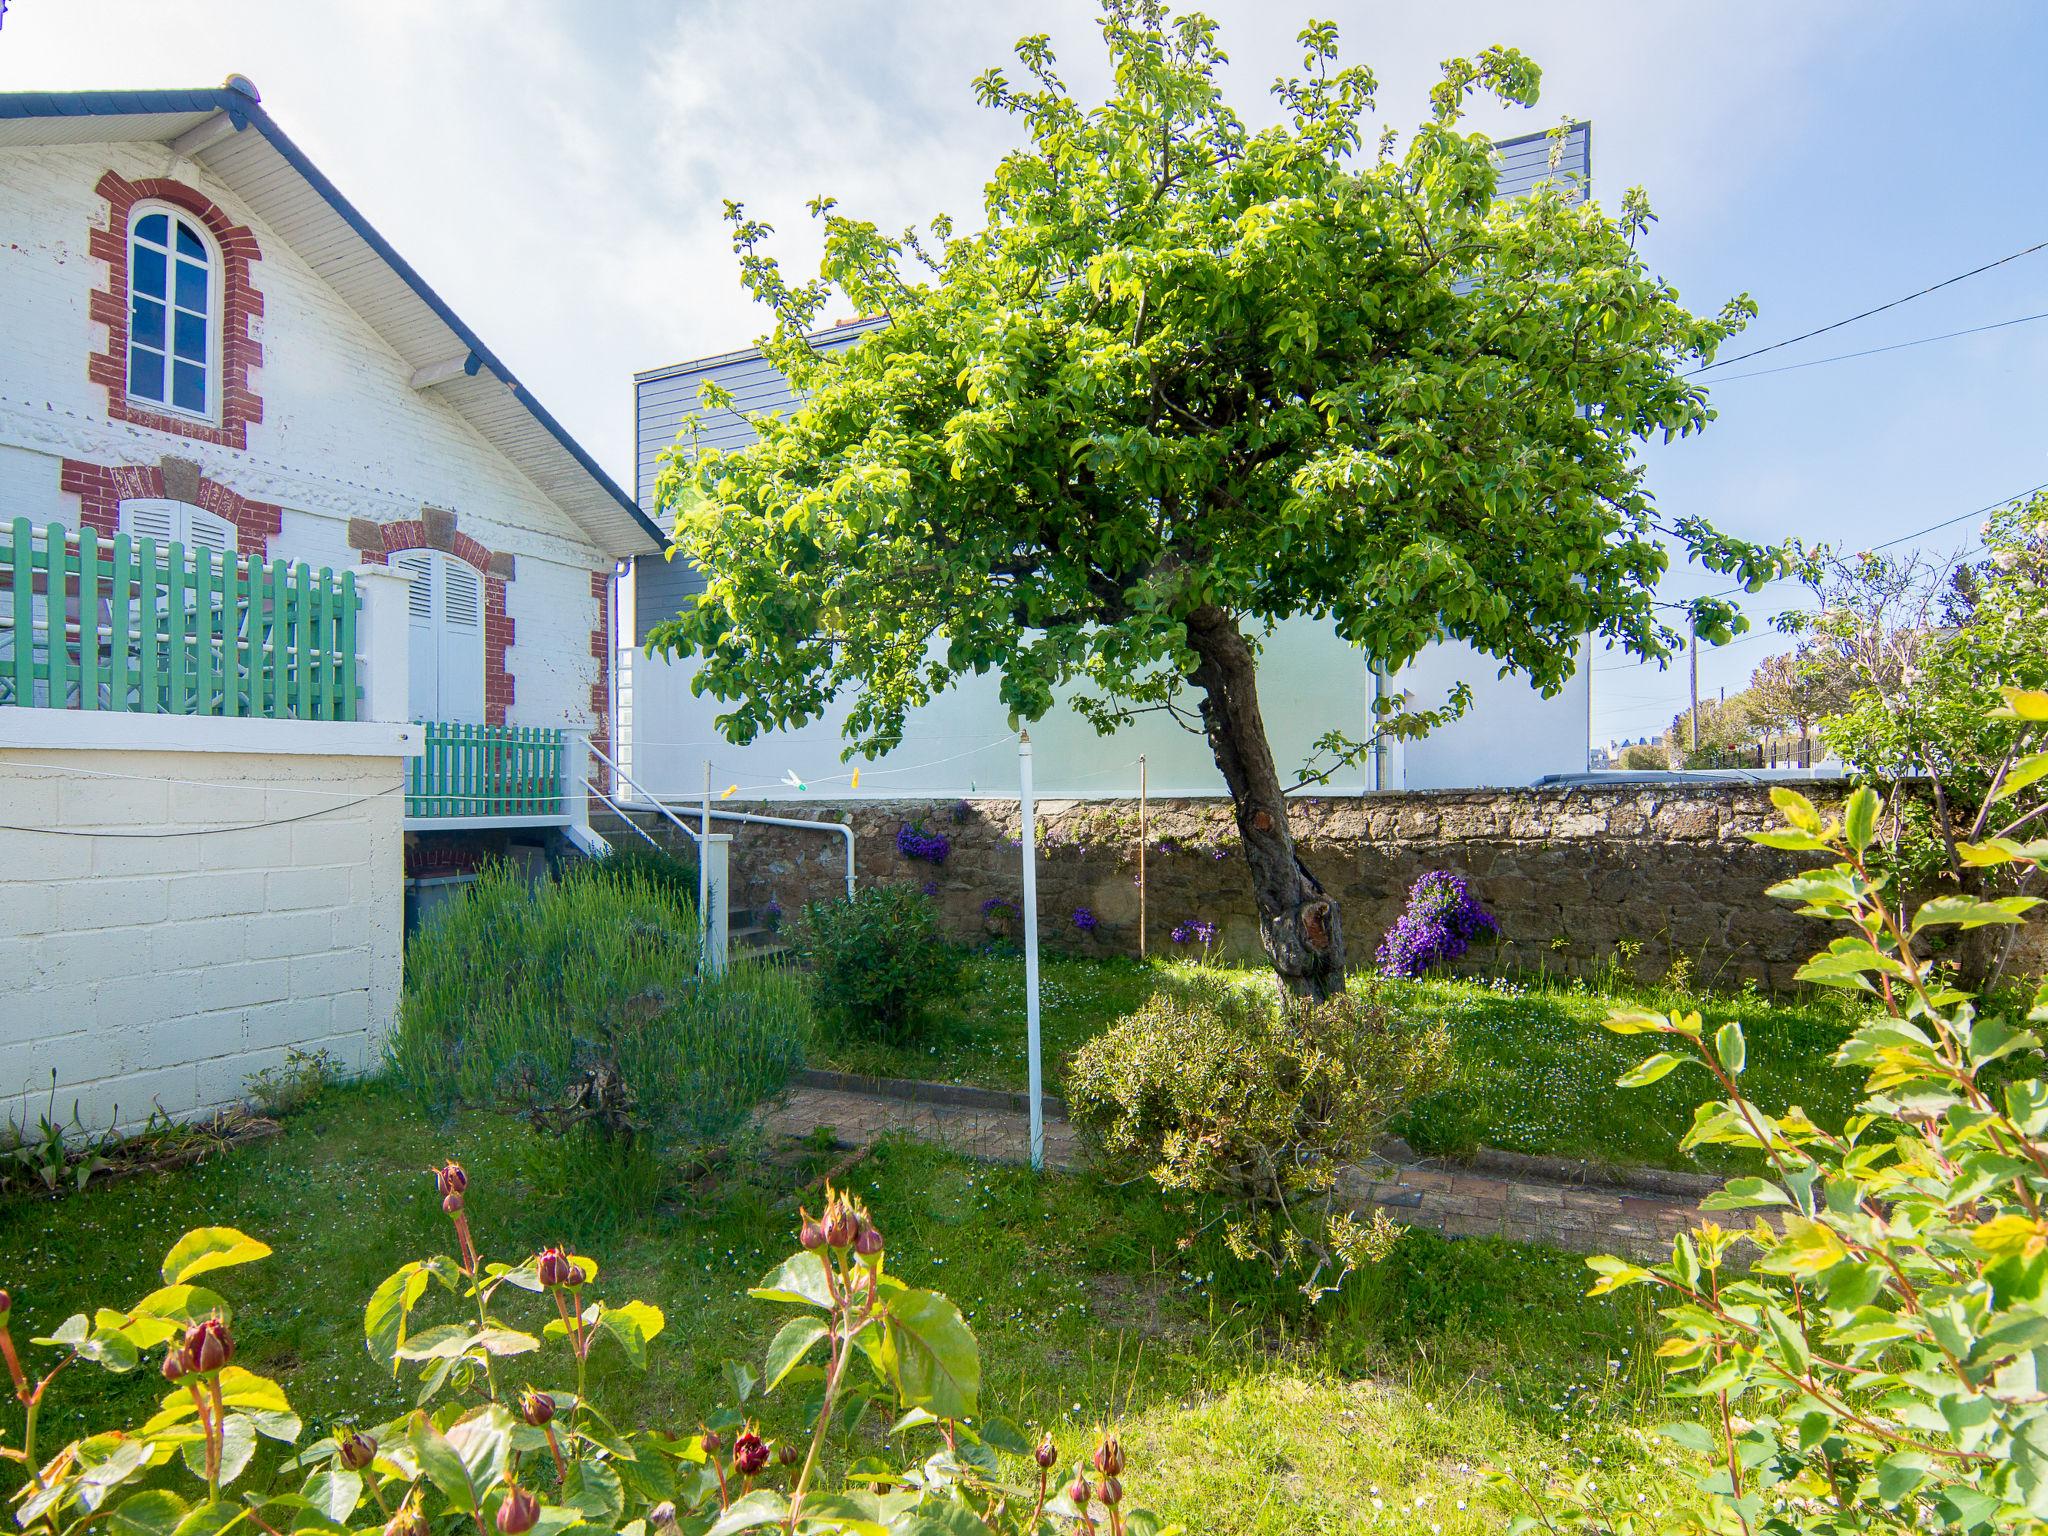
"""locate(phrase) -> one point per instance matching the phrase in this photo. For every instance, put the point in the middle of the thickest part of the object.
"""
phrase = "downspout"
(1382, 749)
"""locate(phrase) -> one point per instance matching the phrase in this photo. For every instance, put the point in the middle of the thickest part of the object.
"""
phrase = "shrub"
(878, 962)
(1439, 923)
(1218, 1092)
(1878, 1365)
(676, 877)
(509, 1447)
(577, 1002)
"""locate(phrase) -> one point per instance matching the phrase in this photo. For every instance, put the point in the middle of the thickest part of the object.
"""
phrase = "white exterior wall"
(1310, 683)
(164, 970)
(343, 433)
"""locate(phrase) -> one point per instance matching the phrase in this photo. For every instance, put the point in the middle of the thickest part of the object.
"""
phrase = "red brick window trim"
(380, 541)
(101, 488)
(234, 350)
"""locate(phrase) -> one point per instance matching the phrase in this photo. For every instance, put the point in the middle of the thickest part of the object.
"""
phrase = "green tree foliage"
(1868, 1355)
(1924, 702)
(1186, 379)
(878, 963)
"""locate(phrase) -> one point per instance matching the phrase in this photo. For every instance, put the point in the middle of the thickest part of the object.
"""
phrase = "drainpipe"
(1382, 749)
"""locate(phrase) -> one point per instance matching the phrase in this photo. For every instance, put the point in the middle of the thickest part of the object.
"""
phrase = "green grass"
(1243, 1412)
(1534, 1070)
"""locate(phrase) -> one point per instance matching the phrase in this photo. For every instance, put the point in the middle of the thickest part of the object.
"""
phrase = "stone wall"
(1575, 876)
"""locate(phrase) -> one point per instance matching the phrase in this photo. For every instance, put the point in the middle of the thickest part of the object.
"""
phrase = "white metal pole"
(704, 873)
(1026, 818)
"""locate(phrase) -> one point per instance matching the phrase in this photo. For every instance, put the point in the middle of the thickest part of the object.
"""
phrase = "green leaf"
(764, 1506)
(155, 1512)
(1649, 1070)
(1743, 1194)
(792, 1341)
(334, 1493)
(1797, 810)
(2026, 771)
(1729, 1049)
(1790, 842)
(1859, 818)
(237, 1446)
(936, 1362)
(1972, 912)
(593, 1488)
(1693, 1437)
(2023, 704)
(209, 1248)
(633, 1325)
(390, 1304)
(1807, 1248)
(441, 1464)
(215, 1519)
(800, 1279)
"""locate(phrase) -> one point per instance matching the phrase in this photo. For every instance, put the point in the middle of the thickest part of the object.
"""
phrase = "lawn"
(1534, 1070)
(1243, 1411)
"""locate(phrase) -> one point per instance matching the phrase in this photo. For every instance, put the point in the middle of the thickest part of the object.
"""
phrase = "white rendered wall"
(163, 971)
(1310, 682)
(343, 433)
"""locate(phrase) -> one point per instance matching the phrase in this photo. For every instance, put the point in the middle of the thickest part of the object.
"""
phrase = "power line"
(1897, 346)
(1866, 314)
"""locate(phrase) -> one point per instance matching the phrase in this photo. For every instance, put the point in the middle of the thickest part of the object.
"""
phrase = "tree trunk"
(1298, 921)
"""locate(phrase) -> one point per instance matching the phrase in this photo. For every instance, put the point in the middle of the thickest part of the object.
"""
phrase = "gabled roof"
(227, 131)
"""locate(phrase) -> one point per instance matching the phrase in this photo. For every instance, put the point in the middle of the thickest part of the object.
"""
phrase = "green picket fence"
(124, 625)
(487, 771)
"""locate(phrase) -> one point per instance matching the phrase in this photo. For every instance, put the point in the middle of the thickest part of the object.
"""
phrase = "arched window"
(177, 522)
(173, 311)
(447, 613)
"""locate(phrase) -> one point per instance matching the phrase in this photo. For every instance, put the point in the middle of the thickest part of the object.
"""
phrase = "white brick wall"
(162, 971)
(343, 433)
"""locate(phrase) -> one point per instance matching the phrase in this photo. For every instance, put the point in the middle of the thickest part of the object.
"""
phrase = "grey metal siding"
(1525, 161)
(660, 589)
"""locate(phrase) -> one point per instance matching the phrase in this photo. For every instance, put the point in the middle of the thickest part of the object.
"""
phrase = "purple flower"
(930, 887)
(996, 904)
(1194, 930)
(913, 843)
(1084, 920)
(1439, 923)
(962, 812)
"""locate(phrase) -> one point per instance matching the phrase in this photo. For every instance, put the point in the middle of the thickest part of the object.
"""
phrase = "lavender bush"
(1439, 923)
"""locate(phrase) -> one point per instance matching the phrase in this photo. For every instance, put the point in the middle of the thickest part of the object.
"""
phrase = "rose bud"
(662, 1516)
(519, 1511)
(841, 1225)
(811, 1235)
(869, 1241)
(451, 1203)
(536, 1407)
(712, 1442)
(1110, 1492)
(576, 1278)
(1078, 1492)
(788, 1455)
(357, 1451)
(1109, 1457)
(449, 1179)
(174, 1362)
(1046, 1454)
(553, 1267)
(750, 1454)
(6, 1303)
(208, 1346)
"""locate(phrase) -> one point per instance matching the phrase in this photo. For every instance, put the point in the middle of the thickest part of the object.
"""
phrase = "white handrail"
(841, 828)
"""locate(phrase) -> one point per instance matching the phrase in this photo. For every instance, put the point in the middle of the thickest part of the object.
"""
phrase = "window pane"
(145, 374)
(153, 227)
(190, 244)
(188, 387)
(146, 324)
(191, 337)
(148, 276)
(191, 287)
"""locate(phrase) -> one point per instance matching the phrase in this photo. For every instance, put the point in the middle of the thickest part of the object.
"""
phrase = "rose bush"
(505, 1435)
(1871, 1353)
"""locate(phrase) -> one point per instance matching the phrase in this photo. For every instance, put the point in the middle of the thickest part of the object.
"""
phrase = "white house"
(1310, 681)
(301, 592)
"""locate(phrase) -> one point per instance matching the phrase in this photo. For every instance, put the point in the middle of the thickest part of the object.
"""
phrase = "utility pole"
(1692, 630)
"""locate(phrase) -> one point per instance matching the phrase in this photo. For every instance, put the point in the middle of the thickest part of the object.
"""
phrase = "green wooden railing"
(487, 771)
(95, 624)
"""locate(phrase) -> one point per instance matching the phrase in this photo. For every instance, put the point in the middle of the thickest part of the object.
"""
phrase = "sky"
(558, 173)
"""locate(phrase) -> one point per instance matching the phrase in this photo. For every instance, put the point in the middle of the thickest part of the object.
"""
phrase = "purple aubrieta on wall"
(1440, 922)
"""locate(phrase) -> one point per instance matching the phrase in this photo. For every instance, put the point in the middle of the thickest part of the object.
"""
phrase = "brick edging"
(917, 1091)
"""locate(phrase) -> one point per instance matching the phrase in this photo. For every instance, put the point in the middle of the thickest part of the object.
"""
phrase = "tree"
(1796, 690)
(1726, 731)
(1188, 379)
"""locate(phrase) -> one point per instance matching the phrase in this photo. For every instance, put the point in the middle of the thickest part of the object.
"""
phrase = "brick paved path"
(1458, 1202)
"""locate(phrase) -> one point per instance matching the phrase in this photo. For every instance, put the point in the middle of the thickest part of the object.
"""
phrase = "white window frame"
(216, 291)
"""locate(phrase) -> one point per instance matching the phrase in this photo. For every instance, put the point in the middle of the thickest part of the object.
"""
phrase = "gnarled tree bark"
(1299, 922)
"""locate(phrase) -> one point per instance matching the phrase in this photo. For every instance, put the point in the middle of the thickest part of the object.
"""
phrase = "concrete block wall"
(152, 960)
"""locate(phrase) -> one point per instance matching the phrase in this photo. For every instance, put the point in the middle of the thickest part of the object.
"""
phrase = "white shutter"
(205, 531)
(151, 520)
(462, 642)
(423, 667)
